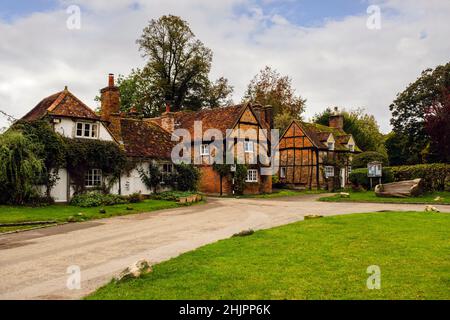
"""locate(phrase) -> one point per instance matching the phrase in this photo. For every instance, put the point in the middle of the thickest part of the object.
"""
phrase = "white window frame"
(329, 171)
(252, 175)
(204, 149)
(86, 127)
(283, 171)
(330, 146)
(93, 178)
(249, 147)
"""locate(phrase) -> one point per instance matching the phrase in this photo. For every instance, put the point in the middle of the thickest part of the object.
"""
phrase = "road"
(34, 264)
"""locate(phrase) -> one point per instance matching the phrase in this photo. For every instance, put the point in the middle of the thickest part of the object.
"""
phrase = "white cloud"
(340, 63)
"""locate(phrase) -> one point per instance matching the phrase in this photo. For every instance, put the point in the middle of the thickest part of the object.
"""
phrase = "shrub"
(434, 175)
(359, 178)
(135, 197)
(171, 195)
(187, 177)
(361, 160)
(96, 199)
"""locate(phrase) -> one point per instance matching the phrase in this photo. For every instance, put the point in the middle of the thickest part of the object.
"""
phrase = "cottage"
(142, 141)
(316, 156)
(243, 124)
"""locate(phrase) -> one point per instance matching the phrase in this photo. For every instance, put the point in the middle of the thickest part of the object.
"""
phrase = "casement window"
(204, 150)
(331, 146)
(329, 171)
(86, 130)
(283, 172)
(93, 178)
(252, 175)
(167, 168)
(248, 146)
(351, 147)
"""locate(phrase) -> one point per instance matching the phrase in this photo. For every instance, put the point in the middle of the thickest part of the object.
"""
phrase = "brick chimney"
(110, 100)
(268, 115)
(167, 119)
(336, 119)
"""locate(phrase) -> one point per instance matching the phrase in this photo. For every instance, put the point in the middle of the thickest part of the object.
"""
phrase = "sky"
(326, 47)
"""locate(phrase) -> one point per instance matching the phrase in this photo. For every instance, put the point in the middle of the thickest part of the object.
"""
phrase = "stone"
(102, 211)
(313, 216)
(344, 195)
(136, 270)
(402, 189)
(438, 199)
(244, 233)
(431, 209)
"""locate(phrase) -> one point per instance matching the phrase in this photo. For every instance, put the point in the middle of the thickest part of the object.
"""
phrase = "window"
(351, 147)
(283, 172)
(252, 175)
(248, 146)
(167, 168)
(86, 130)
(330, 145)
(204, 150)
(329, 171)
(93, 178)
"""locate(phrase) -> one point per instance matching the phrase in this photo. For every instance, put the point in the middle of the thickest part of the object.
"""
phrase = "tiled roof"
(62, 103)
(144, 139)
(218, 118)
(319, 135)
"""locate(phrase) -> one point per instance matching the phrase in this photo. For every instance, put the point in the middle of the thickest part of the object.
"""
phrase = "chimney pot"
(111, 80)
(167, 106)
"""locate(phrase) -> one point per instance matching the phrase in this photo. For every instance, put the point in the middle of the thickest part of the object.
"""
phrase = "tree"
(437, 126)
(52, 152)
(20, 167)
(152, 178)
(177, 70)
(395, 146)
(410, 108)
(187, 177)
(362, 159)
(268, 87)
(362, 126)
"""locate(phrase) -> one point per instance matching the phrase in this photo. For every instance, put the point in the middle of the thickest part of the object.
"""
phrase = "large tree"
(362, 126)
(177, 70)
(437, 126)
(411, 107)
(269, 87)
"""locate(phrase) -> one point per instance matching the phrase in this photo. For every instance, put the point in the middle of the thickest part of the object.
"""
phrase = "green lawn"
(369, 196)
(315, 259)
(61, 213)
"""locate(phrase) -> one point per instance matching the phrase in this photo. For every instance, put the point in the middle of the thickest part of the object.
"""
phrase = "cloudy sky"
(324, 46)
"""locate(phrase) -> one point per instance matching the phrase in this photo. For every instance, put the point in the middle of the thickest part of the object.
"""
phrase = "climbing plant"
(84, 154)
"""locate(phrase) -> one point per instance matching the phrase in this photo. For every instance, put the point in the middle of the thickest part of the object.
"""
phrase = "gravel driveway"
(33, 264)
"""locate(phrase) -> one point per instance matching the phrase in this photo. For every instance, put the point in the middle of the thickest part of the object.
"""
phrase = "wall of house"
(67, 129)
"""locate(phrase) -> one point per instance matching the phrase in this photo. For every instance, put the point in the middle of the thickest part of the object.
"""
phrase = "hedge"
(361, 160)
(436, 177)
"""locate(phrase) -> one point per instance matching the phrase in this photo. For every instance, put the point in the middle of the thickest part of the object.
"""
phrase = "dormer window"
(351, 147)
(331, 146)
(86, 130)
(204, 150)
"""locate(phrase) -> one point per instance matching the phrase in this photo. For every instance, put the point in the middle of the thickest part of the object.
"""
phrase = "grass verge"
(369, 196)
(315, 259)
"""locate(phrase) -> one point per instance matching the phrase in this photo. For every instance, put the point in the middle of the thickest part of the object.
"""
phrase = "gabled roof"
(63, 104)
(144, 139)
(319, 134)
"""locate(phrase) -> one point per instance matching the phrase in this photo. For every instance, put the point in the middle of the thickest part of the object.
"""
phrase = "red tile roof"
(62, 103)
(143, 139)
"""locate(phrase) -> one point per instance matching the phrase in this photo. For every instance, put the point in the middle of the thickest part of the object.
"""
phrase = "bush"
(96, 199)
(171, 195)
(361, 160)
(187, 177)
(434, 176)
(359, 178)
(135, 197)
